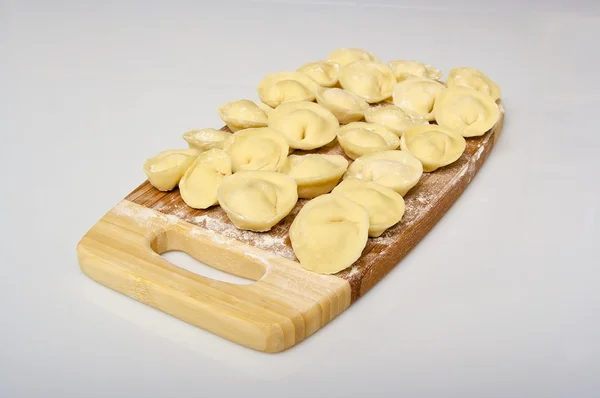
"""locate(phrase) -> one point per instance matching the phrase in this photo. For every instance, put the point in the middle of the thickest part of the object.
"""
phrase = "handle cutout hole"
(189, 263)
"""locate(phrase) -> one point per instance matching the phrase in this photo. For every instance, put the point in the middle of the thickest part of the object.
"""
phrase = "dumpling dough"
(372, 81)
(384, 205)
(315, 174)
(344, 56)
(398, 170)
(344, 105)
(471, 77)
(257, 200)
(277, 88)
(306, 125)
(393, 118)
(257, 149)
(329, 233)
(243, 114)
(433, 145)
(325, 73)
(166, 168)
(416, 96)
(359, 138)
(403, 69)
(205, 139)
(198, 186)
(467, 111)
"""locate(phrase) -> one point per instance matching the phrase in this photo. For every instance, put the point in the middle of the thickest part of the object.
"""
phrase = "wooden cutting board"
(286, 304)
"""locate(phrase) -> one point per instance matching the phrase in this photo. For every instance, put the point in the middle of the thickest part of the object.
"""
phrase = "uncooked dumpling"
(277, 88)
(393, 118)
(329, 233)
(384, 205)
(359, 138)
(345, 106)
(304, 124)
(471, 77)
(372, 81)
(416, 96)
(257, 200)
(403, 69)
(344, 56)
(435, 146)
(166, 168)
(205, 139)
(198, 186)
(467, 111)
(315, 174)
(398, 170)
(243, 114)
(257, 149)
(325, 73)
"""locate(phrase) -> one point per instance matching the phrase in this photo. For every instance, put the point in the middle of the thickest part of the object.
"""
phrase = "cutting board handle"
(285, 305)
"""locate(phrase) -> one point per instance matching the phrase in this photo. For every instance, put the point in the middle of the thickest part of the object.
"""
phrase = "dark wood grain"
(425, 205)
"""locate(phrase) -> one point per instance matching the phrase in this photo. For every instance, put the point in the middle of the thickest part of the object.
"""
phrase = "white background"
(501, 299)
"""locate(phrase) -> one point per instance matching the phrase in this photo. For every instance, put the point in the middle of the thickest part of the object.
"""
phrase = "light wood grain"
(286, 304)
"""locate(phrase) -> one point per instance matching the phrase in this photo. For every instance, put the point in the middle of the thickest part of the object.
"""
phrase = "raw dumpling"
(359, 138)
(416, 96)
(277, 88)
(329, 233)
(433, 145)
(471, 77)
(315, 174)
(325, 73)
(467, 111)
(384, 205)
(393, 118)
(166, 168)
(306, 125)
(398, 170)
(372, 81)
(344, 56)
(257, 200)
(403, 69)
(257, 149)
(205, 139)
(344, 105)
(198, 186)
(243, 114)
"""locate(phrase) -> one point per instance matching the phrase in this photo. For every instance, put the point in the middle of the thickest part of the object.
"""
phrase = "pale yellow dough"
(257, 200)
(243, 114)
(359, 138)
(372, 81)
(325, 73)
(166, 168)
(198, 186)
(306, 125)
(277, 88)
(315, 174)
(345, 106)
(329, 233)
(467, 111)
(393, 118)
(403, 69)
(416, 96)
(398, 170)
(471, 77)
(384, 205)
(435, 146)
(257, 149)
(344, 56)
(205, 139)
